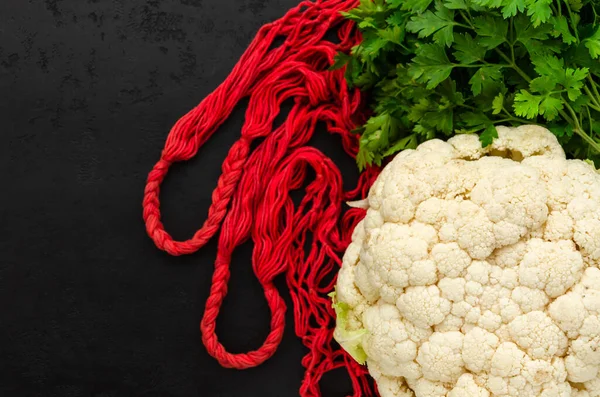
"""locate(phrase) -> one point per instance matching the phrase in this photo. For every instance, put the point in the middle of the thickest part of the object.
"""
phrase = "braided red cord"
(252, 197)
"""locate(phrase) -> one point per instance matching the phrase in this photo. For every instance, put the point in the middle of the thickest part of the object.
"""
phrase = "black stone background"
(88, 306)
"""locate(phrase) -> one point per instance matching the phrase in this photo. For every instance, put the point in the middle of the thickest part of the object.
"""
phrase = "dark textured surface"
(88, 306)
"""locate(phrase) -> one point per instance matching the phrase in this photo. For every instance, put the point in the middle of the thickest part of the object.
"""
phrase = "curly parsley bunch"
(443, 67)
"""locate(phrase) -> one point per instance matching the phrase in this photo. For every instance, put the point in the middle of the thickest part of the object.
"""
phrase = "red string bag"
(252, 197)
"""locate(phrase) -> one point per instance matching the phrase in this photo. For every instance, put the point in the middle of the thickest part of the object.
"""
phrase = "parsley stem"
(464, 105)
(462, 25)
(514, 65)
(595, 15)
(575, 120)
(591, 121)
(588, 139)
(512, 118)
(519, 120)
(596, 108)
(579, 131)
(594, 88)
(467, 19)
(572, 20)
(512, 52)
(596, 105)
(482, 65)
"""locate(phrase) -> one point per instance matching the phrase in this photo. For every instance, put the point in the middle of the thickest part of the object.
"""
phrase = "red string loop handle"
(252, 199)
(232, 171)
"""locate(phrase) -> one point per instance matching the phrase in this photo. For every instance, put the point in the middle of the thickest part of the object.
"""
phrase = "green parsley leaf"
(416, 6)
(542, 84)
(580, 102)
(488, 3)
(563, 130)
(484, 76)
(475, 120)
(491, 31)
(408, 142)
(394, 34)
(510, 7)
(498, 103)
(467, 49)
(575, 5)
(398, 18)
(367, 23)
(573, 81)
(352, 15)
(440, 24)
(592, 43)
(527, 105)
(424, 130)
(441, 120)
(419, 110)
(550, 106)
(550, 66)
(488, 135)
(561, 28)
(364, 158)
(430, 65)
(456, 4)
(531, 36)
(580, 55)
(539, 11)
(371, 46)
(340, 60)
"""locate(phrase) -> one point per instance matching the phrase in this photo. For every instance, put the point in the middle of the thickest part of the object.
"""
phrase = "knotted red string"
(252, 198)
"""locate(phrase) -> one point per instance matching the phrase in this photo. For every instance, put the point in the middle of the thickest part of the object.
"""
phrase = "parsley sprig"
(435, 68)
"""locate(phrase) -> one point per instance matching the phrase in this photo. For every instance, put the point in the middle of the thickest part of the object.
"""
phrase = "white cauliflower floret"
(550, 266)
(450, 323)
(530, 300)
(423, 306)
(593, 387)
(450, 259)
(441, 356)
(515, 196)
(475, 271)
(466, 386)
(452, 289)
(559, 226)
(425, 387)
(387, 343)
(587, 236)
(537, 334)
(474, 231)
(389, 386)
(580, 371)
(507, 360)
(348, 291)
(422, 273)
(568, 312)
(509, 256)
(538, 372)
(479, 271)
(478, 349)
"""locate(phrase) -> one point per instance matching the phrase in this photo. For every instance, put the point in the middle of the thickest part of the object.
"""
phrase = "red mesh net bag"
(252, 197)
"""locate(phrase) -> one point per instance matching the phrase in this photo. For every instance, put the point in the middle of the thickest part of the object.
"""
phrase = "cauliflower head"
(475, 271)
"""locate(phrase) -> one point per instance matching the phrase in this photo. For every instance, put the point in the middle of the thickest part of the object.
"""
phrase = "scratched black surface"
(88, 306)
